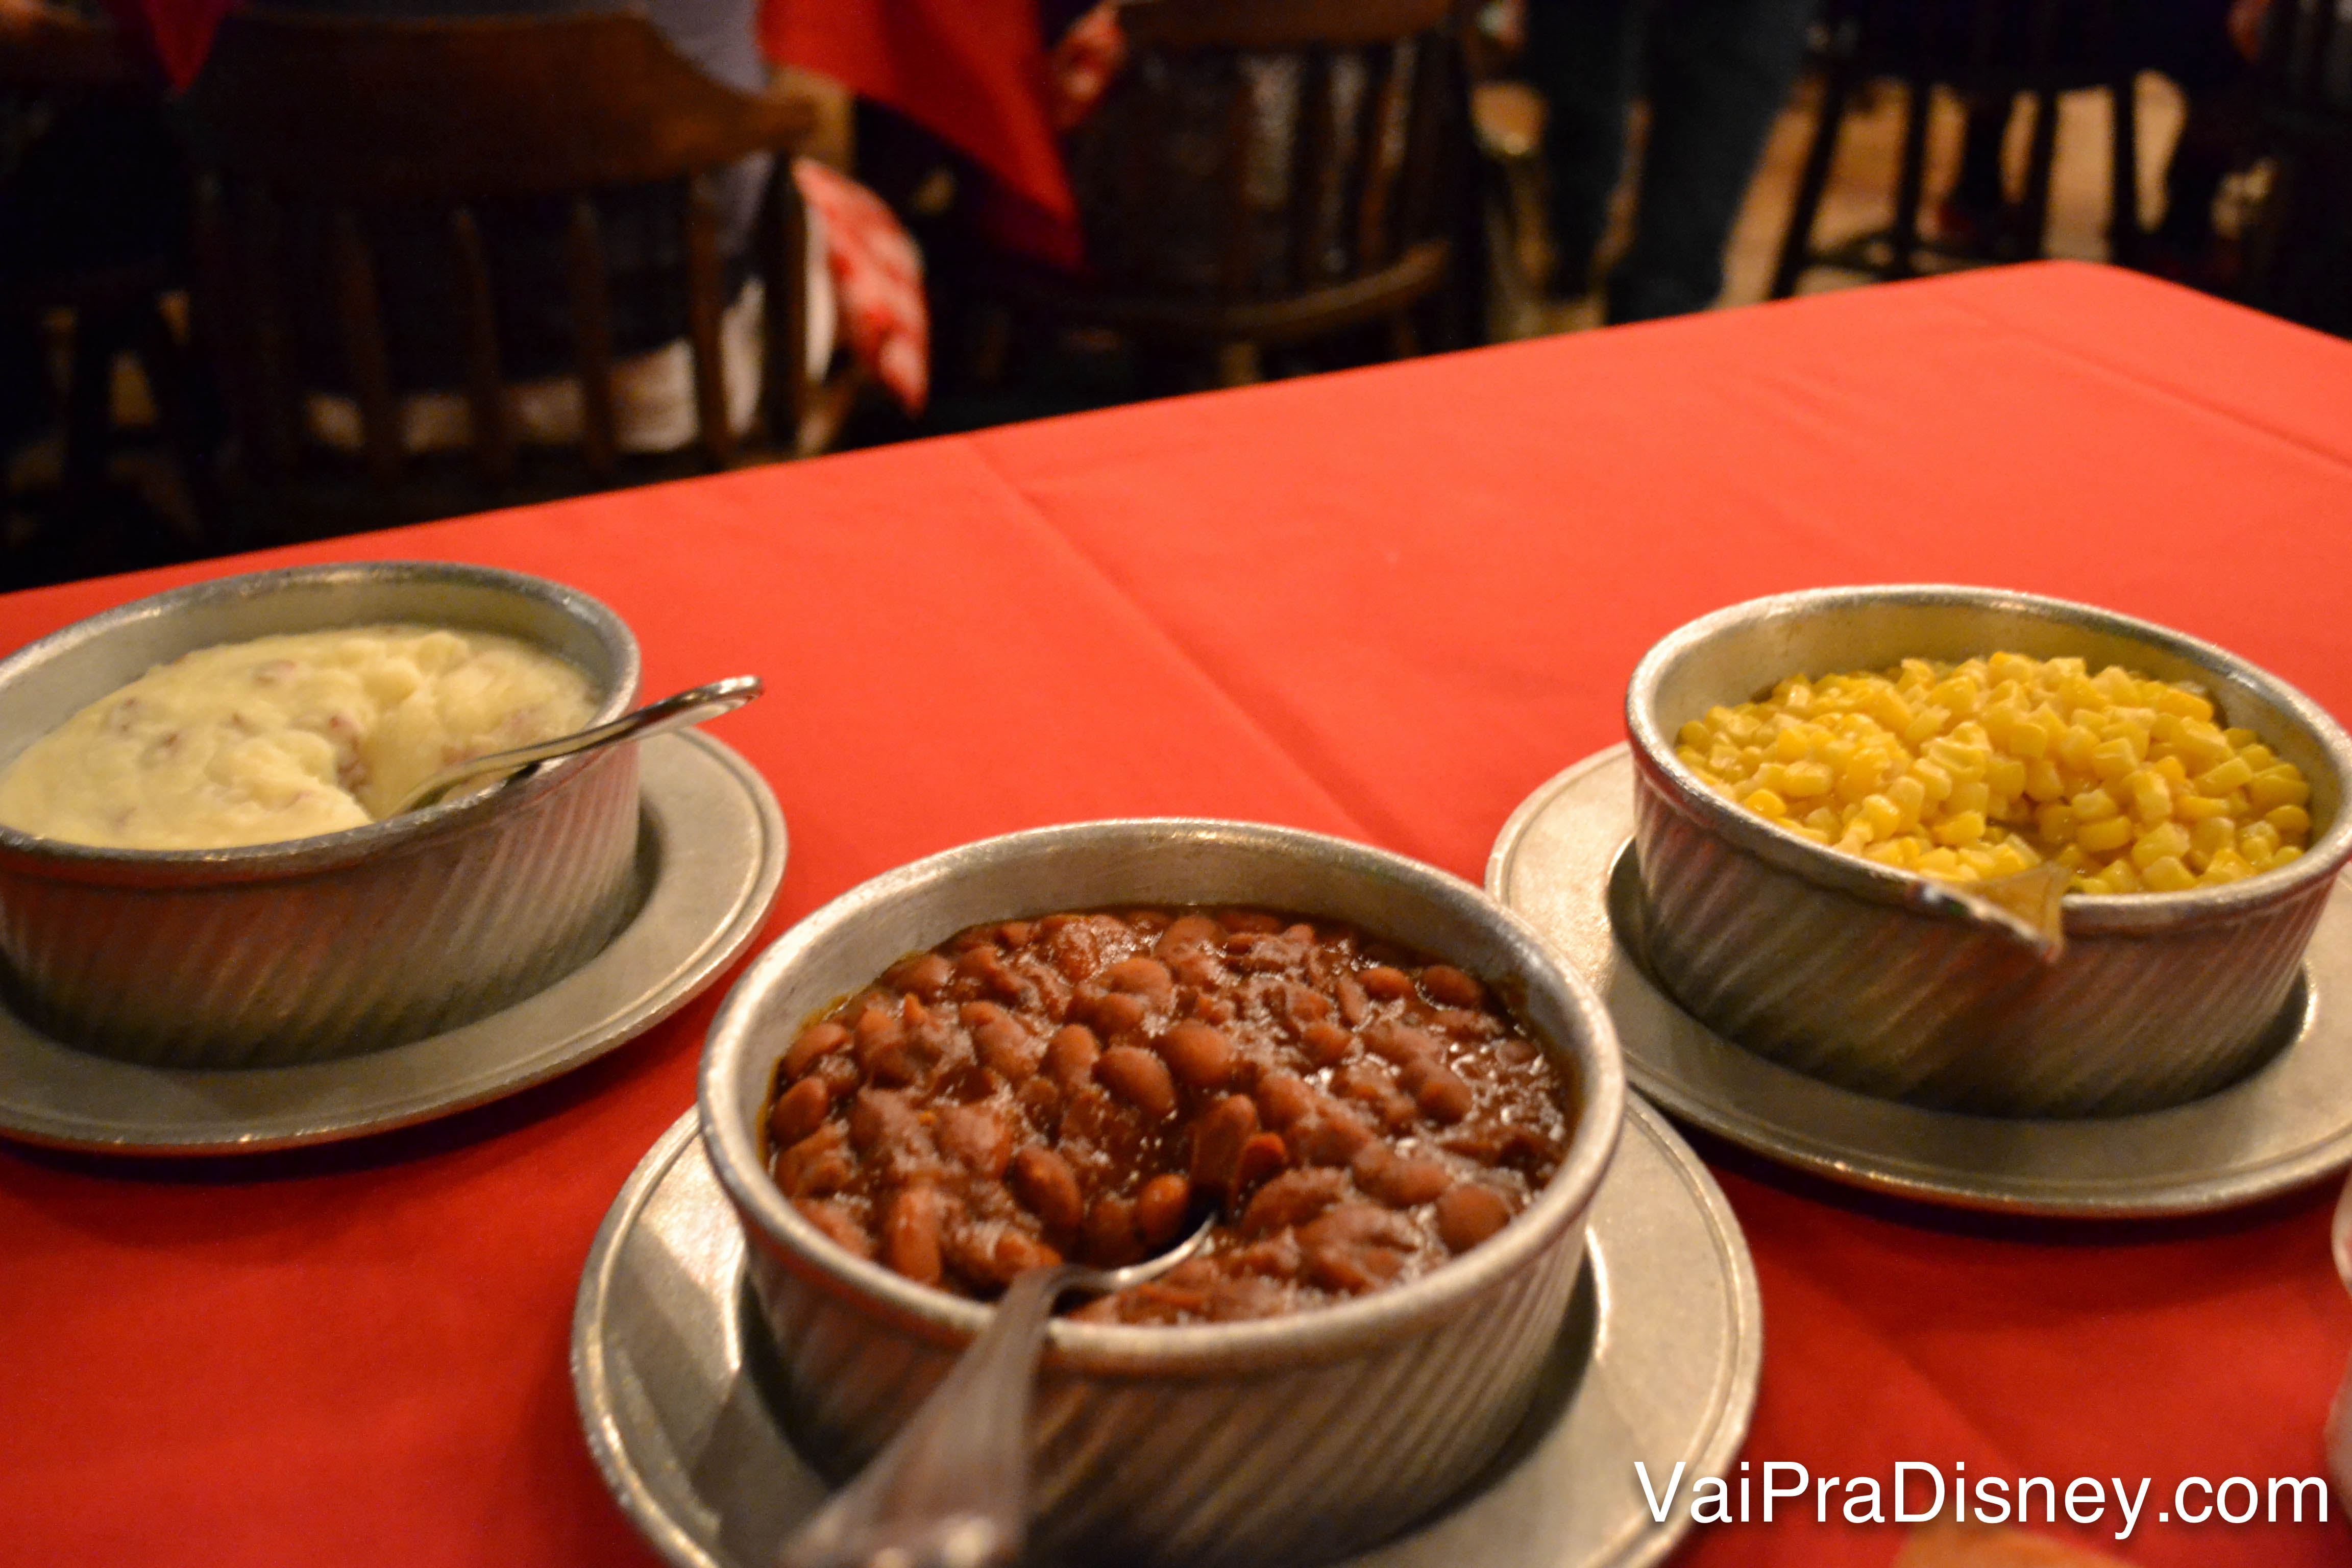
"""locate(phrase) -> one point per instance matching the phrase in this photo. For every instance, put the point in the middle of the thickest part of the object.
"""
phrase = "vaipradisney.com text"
(1916, 1492)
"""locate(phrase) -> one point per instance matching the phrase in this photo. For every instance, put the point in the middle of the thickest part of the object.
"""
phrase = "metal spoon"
(951, 1489)
(653, 718)
(2026, 906)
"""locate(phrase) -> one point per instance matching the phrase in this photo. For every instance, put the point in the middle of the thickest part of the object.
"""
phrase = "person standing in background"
(1716, 73)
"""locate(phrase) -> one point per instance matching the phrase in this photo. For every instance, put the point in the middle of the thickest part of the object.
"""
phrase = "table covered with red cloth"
(1385, 605)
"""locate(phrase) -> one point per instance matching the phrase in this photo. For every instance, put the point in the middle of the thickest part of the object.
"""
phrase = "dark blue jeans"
(1716, 73)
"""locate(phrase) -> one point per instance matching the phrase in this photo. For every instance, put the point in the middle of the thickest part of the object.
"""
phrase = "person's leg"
(1582, 56)
(2188, 40)
(1719, 72)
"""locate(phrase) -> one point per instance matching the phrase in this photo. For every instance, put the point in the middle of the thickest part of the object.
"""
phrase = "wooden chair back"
(2299, 253)
(345, 117)
(2016, 45)
(1265, 168)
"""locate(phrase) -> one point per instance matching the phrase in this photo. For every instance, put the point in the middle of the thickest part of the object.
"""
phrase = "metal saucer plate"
(1564, 860)
(1656, 1361)
(712, 841)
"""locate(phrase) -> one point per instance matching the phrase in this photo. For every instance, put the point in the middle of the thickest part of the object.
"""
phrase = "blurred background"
(274, 272)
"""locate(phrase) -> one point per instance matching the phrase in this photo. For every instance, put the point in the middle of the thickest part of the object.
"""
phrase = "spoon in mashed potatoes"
(690, 707)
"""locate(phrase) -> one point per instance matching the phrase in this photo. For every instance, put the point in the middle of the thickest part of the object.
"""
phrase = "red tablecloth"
(1386, 605)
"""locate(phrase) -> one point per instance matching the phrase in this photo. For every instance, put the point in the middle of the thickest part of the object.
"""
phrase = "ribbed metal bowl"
(1287, 1440)
(1816, 960)
(332, 946)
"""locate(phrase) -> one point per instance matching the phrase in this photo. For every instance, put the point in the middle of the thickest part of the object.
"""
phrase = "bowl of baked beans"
(1813, 770)
(1071, 1044)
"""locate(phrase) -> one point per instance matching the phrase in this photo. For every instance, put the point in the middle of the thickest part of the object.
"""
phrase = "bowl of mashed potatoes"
(199, 865)
(1816, 771)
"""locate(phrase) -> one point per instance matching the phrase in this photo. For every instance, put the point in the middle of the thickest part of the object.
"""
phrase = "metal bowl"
(328, 946)
(1285, 1440)
(1818, 961)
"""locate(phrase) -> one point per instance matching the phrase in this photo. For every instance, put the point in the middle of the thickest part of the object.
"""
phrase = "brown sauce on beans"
(1085, 1086)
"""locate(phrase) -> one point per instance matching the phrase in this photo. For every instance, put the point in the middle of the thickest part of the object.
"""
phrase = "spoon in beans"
(951, 1489)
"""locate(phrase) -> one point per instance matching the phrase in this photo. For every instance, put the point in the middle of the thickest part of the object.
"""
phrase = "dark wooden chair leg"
(98, 336)
(1797, 244)
(2042, 156)
(2122, 224)
(1910, 187)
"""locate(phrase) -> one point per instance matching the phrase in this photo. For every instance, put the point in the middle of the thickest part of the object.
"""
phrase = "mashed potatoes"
(284, 737)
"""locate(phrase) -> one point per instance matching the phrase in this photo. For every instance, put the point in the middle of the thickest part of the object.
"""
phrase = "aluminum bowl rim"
(1325, 1333)
(34, 854)
(2085, 914)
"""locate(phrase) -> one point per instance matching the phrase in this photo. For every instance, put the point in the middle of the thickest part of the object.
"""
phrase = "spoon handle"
(952, 1487)
(690, 707)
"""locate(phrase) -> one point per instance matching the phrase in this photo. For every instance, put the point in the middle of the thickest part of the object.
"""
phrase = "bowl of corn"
(1824, 779)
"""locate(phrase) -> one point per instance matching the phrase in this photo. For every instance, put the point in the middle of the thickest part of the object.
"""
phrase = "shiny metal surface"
(1154, 1443)
(1564, 861)
(710, 852)
(1656, 1359)
(950, 1489)
(676, 711)
(1821, 961)
(276, 953)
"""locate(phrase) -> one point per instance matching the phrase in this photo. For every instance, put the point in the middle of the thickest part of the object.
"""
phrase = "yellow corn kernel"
(2198, 807)
(2075, 746)
(1805, 780)
(2166, 875)
(2258, 841)
(2291, 821)
(2223, 778)
(1885, 816)
(1789, 744)
(2210, 838)
(2168, 842)
(1909, 795)
(2281, 785)
(2106, 834)
(2286, 853)
(2115, 759)
(1967, 797)
(2258, 757)
(2042, 782)
(2150, 796)
(2229, 866)
(1765, 803)
(2094, 805)
(1863, 773)
(1825, 821)
(1927, 724)
(2008, 860)
(1965, 828)
(2120, 877)
(2178, 699)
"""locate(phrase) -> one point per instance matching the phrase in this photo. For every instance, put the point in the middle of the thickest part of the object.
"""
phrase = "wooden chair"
(338, 119)
(2298, 254)
(111, 273)
(1265, 171)
(1985, 50)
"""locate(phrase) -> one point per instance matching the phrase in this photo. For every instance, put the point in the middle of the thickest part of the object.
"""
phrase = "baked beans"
(1085, 1086)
